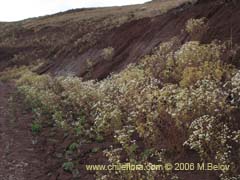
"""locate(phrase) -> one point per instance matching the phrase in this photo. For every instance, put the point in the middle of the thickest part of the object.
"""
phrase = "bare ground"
(20, 159)
(25, 156)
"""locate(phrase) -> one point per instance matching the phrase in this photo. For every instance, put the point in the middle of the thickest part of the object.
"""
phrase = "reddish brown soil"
(137, 38)
(25, 156)
(19, 158)
(54, 41)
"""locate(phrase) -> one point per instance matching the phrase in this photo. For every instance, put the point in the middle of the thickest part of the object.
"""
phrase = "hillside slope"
(67, 34)
(179, 105)
(137, 38)
(65, 42)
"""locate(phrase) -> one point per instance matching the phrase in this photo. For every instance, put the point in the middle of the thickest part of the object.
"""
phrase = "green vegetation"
(68, 166)
(13, 73)
(73, 147)
(36, 127)
(179, 97)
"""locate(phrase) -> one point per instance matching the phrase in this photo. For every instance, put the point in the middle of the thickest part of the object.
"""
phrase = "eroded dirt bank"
(133, 40)
(66, 45)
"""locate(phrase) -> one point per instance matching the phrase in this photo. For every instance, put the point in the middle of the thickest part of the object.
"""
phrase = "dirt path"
(19, 158)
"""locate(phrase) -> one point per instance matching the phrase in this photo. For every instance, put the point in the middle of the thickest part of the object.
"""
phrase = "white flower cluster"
(194, 24)
(235, 81)
(213, 140)
(201, 133)
(196, 27)
(193, 53)
(147, 105)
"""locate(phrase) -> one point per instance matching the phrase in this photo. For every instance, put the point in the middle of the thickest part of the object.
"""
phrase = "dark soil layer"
(20, 158)
(28, 156)
(137, 38)
(67, 34)
(54, 39)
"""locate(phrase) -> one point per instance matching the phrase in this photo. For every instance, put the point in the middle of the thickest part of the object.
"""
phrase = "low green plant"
(95, 150)
(73, 147)
(68, 166)
(36, 127)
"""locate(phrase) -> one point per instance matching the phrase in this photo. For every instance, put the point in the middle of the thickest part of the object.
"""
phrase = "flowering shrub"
(179, 94)
(13, 73)
(114, 157)
(186, 64)
(39, 95)
(216, 141)
(159, 65)
(216, 135)
(235, 91)
(216, 71)
(196, 27)
(108, 53)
